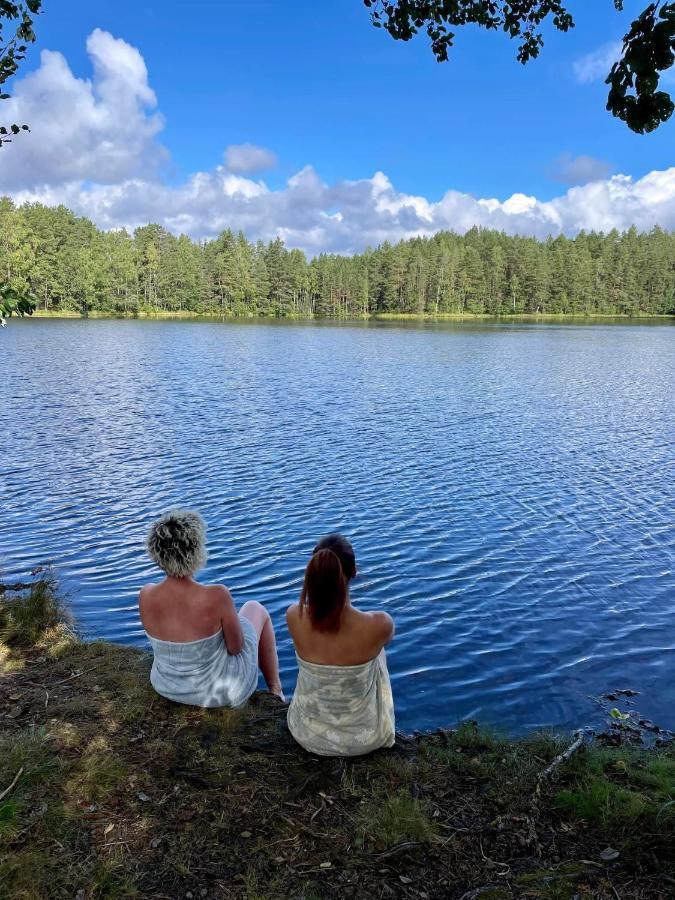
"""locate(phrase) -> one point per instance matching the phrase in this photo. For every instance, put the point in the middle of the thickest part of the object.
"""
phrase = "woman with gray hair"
(205, 653)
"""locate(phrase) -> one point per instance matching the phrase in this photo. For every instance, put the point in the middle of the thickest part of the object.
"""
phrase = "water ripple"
(509, 490)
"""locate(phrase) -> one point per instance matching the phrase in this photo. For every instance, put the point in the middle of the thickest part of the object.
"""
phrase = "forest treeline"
(70, 265)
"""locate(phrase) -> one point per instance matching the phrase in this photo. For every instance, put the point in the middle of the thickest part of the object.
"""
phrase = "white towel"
(203, 673)
(342, 710)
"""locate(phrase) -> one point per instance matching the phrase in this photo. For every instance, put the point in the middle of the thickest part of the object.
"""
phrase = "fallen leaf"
(325, 865)
(245, 834)
(108, 828)
(184, 815)
(143, 797)
(404, 879)
(609, 854)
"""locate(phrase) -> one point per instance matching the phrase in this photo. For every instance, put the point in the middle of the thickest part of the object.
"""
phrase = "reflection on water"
(509, 490)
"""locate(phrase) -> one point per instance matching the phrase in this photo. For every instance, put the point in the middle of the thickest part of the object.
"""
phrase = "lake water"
(509, 489)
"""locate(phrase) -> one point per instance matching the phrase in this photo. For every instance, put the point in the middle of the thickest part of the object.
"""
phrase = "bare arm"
(385, 626)
(290, 618)
(234, 636)
(142, 598)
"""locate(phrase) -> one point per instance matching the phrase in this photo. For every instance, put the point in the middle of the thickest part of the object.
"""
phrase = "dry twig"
(76, 675)
(560, 758)
(12, 785)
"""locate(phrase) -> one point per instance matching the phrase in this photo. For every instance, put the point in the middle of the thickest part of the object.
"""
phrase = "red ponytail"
(325, 590)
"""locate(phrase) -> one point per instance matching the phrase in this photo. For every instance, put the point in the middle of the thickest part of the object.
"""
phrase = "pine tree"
(68, 264)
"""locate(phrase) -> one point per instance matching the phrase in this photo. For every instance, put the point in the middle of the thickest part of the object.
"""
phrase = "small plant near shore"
(97, 775)
(396, 819)
(28, 753)
(620, 785)
(29, 612)
(507, 769)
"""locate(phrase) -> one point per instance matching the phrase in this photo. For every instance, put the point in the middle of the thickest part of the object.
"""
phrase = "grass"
(621, 785)
(505, 770)
(33, 613)
(396, 819)
(123, 794)
(520, 316)
(399, 818)
(97, 776)
(376, 316)
(27, 751)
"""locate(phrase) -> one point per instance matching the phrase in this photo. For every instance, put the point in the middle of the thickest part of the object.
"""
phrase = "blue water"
(509, 489)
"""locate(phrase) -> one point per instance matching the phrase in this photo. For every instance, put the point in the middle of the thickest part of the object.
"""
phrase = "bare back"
(359, 639)
(181, 610)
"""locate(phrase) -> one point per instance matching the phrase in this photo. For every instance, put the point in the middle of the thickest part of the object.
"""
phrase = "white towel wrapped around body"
(203, 673)
(343, 710)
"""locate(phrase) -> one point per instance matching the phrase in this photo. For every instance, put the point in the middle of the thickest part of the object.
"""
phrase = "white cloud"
(349, 215)
(595, 66)
(103, 155)
(102, 130)
(244, 159)
(570, 169)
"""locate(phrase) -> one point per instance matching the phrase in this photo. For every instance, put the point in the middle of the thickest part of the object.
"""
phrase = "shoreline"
(371, 317)
(108, 790)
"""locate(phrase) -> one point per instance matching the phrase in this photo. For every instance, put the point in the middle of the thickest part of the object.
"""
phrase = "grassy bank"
(98, 314)
(107, 790)
(375, 317)
(516, 317)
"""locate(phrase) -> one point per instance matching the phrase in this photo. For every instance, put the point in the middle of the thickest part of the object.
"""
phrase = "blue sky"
(319, 86)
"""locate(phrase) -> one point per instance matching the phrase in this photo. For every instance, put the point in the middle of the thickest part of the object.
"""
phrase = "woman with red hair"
(342, 704)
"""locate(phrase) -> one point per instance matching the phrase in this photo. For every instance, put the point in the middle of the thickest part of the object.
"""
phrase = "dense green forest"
(70, 265)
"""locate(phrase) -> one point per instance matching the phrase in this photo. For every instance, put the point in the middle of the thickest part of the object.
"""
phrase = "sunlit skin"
(181, 609)
(360, 637)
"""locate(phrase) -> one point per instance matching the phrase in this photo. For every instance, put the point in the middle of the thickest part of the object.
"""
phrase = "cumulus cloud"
(595, 66)
(103, 161)
(570, 169)
(102, 130)
(347, 216)
(244, 159)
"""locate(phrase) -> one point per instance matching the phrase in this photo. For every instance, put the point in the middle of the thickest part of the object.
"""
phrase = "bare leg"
(267, 646)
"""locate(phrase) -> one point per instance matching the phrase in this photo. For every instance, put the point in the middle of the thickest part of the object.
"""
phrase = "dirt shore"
(107, 790)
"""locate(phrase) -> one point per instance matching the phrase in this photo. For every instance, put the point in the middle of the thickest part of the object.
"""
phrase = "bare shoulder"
(146, 592)
(149, 601)
(384, 624)
(292, 613)
(219, 595)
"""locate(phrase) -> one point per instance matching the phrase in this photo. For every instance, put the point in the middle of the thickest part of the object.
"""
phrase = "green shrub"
(26, 615)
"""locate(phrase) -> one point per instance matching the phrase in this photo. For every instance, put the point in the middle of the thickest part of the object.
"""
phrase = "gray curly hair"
(177, 542)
